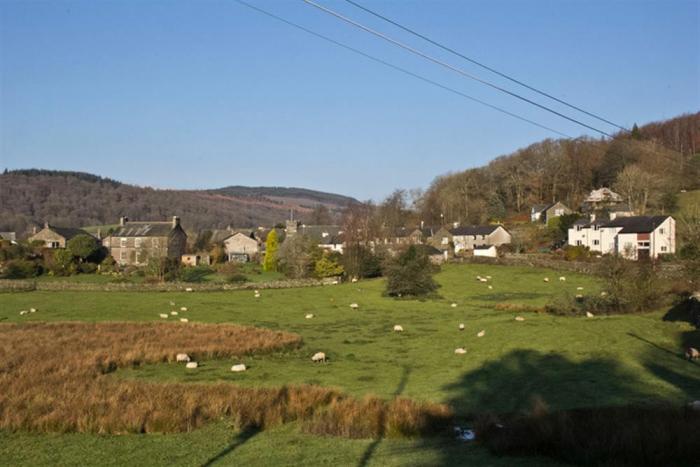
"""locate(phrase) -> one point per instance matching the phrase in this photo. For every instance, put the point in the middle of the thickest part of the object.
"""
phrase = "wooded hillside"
(30, 197)
(648, 166)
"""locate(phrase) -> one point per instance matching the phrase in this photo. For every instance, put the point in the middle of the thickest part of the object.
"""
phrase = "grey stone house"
(135, 242)
(56, 237)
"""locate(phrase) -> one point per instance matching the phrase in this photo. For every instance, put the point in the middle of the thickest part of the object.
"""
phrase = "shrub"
(84, 247)
(328, 266)
(21, 269)
(359, 261)
(235, 278)
(576, 253)
(195, 274)
(410, 274)
(87, 268)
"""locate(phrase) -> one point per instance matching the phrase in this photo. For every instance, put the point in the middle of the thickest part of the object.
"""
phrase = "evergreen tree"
(271, 247)
(410, 274)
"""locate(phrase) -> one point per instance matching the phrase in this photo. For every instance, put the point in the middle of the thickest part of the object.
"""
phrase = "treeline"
(30, 197)
(648, 166)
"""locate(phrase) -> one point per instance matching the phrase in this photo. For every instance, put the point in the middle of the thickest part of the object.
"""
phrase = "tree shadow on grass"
(239, 440)
(369, 452)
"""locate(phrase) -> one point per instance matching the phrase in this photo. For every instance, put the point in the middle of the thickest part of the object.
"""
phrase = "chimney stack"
(176, 221)
(455, 225)
(123, 220)
(34, 230)
(46, 224)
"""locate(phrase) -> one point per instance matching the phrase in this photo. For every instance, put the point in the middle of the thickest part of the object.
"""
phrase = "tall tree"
(271, 247)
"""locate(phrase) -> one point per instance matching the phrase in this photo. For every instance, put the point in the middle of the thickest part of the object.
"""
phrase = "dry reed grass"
(55, 379)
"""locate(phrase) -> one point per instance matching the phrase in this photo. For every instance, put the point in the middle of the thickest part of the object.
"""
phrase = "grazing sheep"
(319, 357)
(183, 308)
(461, 326)
(589, 315)
(488, 277)
(32, 310)
(579, 296)
(562, 278)
(23, 312)
(519, 318)
(184, 320)
(692, 353)
(490, 287)
(238, 368)
(173, 313)
(309, 315)
(191, 365)
(579, 288)
(354, 306)
(478, 278)
(188, 289)
(546, 279)
(454, 305)
(603, 294)
(353, 280)
(398, 328)
(483, 279)
(481, 333)
(163, 315)
(182, 357)
(460, 351)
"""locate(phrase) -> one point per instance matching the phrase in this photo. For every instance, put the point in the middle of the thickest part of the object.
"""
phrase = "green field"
(567, 361)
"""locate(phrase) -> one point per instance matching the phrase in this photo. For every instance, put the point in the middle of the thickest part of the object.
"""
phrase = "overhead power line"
(486, 67)
(397, 68)
(451, 67)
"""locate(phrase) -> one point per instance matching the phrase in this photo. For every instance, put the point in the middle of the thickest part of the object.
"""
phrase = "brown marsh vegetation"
(55, 378)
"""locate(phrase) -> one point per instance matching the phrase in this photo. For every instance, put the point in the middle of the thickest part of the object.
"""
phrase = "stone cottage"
(135, 242)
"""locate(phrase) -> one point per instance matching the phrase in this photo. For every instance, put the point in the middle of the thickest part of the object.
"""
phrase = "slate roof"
(316, 231)
(428, 250)
(540, 207)
(144, 229)
(474, 230)
(68, 232)
(637, 224)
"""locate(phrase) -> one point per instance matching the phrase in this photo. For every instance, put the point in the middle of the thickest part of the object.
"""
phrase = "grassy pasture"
(568, 362)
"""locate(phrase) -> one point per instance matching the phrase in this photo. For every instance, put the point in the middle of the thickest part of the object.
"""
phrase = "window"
(663, 248)
(156, 243)
(578, 242)
(578, 228)
(643, 244)
(122, 242)
(445, 240)
(596, 242)
(137, 242)
(54, 245)
(661, 231)
(137, 257)
(122, 256)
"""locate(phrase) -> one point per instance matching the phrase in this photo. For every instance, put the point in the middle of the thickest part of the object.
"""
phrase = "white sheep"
(398, 328)
(182, 357)
(579, 288)
(454, 305)
(461, 326)
(488, 277)
(183, 308)
(460, 351)
(519, 318)
(191, 365)
(579, 296)
(319, 357)
(589, 315)
(184, 320)
(483, 279)
(188, 289)
(546, 279)
(562, 278)
(309, 315)
(354, 306)
(238, 368)
(173, 313)
(490, 287)
(353, 280)
(23, 312)
(481, 333)
(32, 310)
(163, 315)
(692, 353)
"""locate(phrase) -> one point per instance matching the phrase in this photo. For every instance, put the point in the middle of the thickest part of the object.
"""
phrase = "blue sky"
(203, 94)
